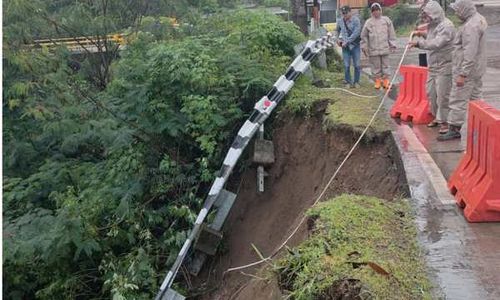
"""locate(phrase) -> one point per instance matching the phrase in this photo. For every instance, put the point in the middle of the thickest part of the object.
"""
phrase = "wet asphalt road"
(464, 258)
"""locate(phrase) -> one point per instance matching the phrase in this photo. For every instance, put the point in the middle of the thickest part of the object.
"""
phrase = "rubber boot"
(378, 83)
(433, 123)
(386, 83)
(443, 128)
(452, 134)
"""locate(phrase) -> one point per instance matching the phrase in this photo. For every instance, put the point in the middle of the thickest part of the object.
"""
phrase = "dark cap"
(345, 9)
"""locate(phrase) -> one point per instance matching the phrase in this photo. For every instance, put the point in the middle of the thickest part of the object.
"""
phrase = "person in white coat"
(378, 39)
(438, 41)
(469, 65)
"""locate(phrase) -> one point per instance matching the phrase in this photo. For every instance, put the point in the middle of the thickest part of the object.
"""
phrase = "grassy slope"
(344, 109)
(381, 232)
(355, 229)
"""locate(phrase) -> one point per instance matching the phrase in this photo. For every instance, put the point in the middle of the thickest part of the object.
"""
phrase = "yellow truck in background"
(330, 27)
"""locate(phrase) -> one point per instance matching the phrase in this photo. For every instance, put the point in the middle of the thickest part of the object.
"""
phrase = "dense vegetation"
(108, 156)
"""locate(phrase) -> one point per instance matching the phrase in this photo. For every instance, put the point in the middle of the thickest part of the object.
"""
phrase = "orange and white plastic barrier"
(475, 183)
(412, 104)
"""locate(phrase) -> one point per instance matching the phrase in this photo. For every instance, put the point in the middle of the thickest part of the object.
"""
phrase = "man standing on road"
(377, 41)
(348, 30)
(439, 44)
(469, 65)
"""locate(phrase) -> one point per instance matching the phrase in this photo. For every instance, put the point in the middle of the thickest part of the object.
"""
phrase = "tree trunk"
(298, 14)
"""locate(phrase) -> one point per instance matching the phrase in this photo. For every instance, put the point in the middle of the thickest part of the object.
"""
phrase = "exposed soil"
(306, 157)
(346, 289)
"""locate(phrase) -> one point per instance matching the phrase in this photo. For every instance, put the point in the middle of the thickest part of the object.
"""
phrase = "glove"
(419, 33)
(413, 44)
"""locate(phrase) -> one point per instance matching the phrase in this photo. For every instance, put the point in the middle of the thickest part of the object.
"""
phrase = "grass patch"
(454, 19)
(304, 94)
(355, 240)
(344, 109)
(404, 31)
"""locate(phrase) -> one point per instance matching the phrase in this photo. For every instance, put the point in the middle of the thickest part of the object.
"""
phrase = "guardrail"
(263, 108)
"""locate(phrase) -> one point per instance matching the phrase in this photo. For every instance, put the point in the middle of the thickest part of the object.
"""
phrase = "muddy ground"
(306, 157)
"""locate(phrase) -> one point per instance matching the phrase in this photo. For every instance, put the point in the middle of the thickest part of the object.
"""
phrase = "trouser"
(438, 91)
(380, 65)
(347, 55)
(460, 96)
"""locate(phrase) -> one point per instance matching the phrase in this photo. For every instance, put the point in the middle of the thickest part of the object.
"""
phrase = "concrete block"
(212, 236)
(263, 152)
(208, 240)
(223, 204)
(170, 294)
(196, 263)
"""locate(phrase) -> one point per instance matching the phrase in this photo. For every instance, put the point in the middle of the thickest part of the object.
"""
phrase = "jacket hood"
(464, 8)
(376, 4)
(434, 11)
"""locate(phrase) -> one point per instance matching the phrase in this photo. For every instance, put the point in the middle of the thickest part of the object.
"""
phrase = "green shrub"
(274, 3)
(402, 14)
(102, 187)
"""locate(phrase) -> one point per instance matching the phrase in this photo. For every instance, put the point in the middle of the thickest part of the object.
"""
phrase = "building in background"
(310, 15)
(321, 13)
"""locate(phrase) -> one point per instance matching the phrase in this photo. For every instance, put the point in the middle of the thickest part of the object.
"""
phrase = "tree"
(102, 186)
(95, 20)
(298, 13)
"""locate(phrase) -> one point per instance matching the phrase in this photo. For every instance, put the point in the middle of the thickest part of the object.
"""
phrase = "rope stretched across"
(261, 112)
(352, 93)
(276, 251)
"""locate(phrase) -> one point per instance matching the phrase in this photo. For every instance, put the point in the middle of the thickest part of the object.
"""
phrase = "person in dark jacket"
(349, 29)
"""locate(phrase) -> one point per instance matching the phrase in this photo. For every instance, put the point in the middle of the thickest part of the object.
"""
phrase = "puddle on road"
(463, 258)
